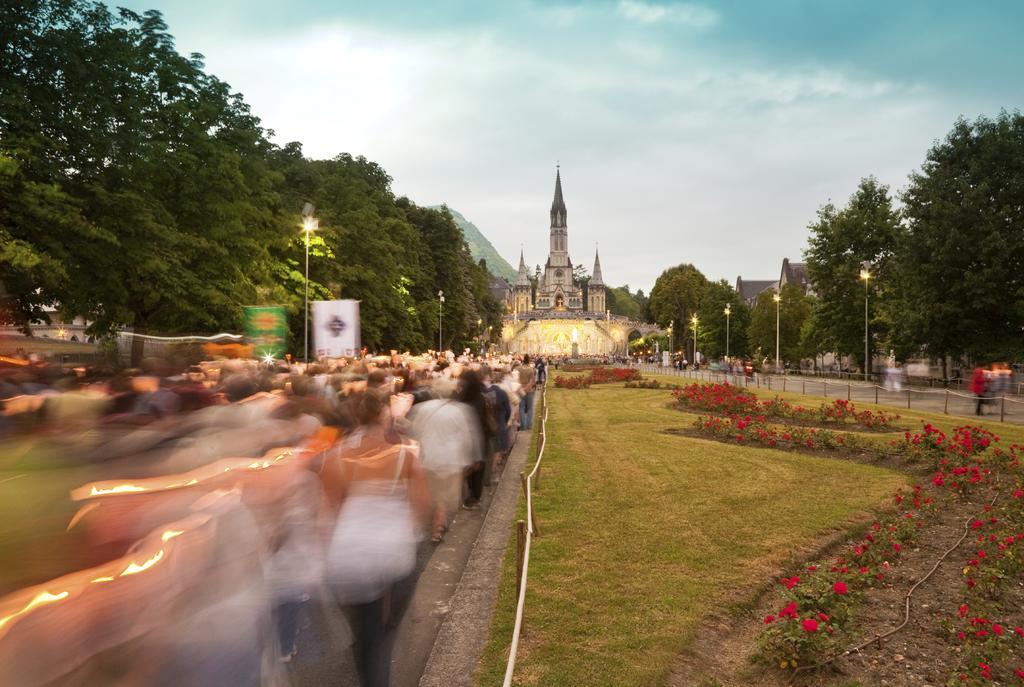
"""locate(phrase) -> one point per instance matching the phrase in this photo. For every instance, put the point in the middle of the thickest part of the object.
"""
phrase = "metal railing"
(951, 402)
(526, 531)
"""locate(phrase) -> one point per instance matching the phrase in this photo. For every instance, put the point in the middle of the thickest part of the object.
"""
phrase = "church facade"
(553, 314)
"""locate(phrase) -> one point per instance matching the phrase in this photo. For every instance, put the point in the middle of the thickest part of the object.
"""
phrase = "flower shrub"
(755, 429)
(603, 375)
(936, 447)
(649, 384)
(827, 594)
(727, 399)
(986, 629)
(581, 382)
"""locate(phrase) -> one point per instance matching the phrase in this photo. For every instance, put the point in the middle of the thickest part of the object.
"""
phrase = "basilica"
(553, 314)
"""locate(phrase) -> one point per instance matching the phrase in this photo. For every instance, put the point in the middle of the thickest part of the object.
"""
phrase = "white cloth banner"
(336, 328)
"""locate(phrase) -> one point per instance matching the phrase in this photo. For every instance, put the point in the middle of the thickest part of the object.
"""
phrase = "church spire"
(558, 211)
(596, 279)
(523, 279)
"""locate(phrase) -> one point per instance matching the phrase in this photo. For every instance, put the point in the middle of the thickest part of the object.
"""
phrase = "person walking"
(527, 383)
(374, 483)
(471, 392)
(450, 441)
(979, 384)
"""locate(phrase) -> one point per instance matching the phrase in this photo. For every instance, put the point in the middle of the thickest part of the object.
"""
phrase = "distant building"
(559, 319)
(501, 291)
(791, 273)
(750, 289)
(795, 273)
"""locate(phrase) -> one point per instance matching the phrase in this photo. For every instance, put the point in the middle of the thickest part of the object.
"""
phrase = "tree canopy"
(861, 235)
(960, 264)
(138, 190)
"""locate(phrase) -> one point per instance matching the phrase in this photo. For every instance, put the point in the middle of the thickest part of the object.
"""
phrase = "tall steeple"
(559, 251)
(558, 212)
(596, 279)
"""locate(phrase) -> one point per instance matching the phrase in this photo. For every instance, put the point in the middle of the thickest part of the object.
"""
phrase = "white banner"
(336, 328)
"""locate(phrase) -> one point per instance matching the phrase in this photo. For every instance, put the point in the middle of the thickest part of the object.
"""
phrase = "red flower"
(839, 588)
(896, 546)
(791, 582)
(769, 619)
(963, 610)
(1019, 673)
(810, 625)
(997, 629)
(789, 611)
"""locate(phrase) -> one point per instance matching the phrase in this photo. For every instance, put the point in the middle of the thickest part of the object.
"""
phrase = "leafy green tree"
(842, 242)
(620, 301)
(961, 262)
(675, 298)
(711, 333)
(793, 311)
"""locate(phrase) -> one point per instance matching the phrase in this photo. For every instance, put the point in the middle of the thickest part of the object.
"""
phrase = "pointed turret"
(524, 275)
(596, 301)
(596, 279)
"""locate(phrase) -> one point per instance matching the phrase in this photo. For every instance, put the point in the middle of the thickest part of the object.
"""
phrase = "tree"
(961, 262)
(866, 231)
(794, 309)
(711, 334)
(621, 302)
(675, 298)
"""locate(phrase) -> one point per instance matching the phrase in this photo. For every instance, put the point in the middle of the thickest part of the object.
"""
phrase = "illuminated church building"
(557, 318)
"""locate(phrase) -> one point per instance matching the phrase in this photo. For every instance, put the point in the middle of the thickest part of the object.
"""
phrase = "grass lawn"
(645, 533)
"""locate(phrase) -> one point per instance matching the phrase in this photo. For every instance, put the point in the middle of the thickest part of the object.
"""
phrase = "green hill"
(480, 247)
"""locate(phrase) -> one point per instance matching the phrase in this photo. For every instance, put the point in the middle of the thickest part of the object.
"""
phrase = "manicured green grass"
(645, 533)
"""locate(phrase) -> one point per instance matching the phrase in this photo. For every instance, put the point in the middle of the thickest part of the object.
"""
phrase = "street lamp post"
(440, 321)
(309, 225)
(865, 274)
(728, 312)
(693, 320)
(671, 339)
(778, 360)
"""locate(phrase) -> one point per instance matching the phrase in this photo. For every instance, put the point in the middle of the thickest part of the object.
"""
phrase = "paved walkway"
(929, 400)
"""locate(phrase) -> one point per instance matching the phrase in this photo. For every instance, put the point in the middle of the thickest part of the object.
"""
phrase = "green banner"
(266, 327)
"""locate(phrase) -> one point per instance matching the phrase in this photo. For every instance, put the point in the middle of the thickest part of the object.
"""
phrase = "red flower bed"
(603, 375)
(988, 646)
(582, 382)
(756, 430)
(727, 399)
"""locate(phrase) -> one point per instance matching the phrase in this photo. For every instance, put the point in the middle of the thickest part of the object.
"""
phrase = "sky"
(705, 133)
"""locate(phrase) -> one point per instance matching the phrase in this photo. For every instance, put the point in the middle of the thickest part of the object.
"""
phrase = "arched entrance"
(559, 302)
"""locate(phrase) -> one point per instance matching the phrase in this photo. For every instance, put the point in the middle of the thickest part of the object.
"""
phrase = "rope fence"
(525, 532)
(950, 402)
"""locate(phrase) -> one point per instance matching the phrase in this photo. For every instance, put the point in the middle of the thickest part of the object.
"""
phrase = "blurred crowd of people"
(989, 384)
(210, 505)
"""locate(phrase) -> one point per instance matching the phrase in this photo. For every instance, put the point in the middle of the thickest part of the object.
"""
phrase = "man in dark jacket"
(502, 410)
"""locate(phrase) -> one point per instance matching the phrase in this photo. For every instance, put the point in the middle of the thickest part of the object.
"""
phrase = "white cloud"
(662, 145)
(641, 12)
